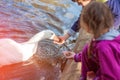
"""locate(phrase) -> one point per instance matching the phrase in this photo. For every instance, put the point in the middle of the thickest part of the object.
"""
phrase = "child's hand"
(90, 75)
(69, 54)
(60, 40)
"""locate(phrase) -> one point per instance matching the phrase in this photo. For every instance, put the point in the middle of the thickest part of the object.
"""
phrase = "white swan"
(13, 52)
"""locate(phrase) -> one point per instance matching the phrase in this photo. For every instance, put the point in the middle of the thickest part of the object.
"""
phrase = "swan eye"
(51, 33)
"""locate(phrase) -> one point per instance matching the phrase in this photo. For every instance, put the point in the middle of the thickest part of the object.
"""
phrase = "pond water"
(21, 19)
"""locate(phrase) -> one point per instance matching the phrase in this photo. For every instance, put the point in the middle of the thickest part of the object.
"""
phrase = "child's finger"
(65, 53)
(68, 54)
(60, 41)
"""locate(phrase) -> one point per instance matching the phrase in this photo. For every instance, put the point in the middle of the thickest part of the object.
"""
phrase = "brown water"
(21, 19)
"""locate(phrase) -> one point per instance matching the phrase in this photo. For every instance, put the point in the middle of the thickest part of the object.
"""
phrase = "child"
(113, 5)
(102, 54)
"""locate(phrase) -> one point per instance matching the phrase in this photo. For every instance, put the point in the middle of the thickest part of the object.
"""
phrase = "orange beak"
(56, 38)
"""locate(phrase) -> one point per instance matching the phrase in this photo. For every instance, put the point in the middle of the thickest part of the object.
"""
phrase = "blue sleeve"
(75, 28)
(114, 5)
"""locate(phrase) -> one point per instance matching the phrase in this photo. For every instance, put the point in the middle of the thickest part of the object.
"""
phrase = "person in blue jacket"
(114, 5)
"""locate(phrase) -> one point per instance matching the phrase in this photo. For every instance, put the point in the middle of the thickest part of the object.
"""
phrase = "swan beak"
(55, 38)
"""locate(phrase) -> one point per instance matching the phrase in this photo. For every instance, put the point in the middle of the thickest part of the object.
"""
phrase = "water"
(21, 19)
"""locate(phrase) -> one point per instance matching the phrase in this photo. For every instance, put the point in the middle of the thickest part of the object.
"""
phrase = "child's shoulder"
(102, 44)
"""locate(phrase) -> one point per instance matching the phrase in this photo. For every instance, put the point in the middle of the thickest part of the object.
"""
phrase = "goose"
(13, 52)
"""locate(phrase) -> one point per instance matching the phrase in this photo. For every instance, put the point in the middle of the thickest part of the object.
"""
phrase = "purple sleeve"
(114, 5)
(109, 61)
(84, 68)
(77, 57)
(82, 57)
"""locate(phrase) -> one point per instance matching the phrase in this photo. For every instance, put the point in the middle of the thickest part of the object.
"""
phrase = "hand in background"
(61, 39)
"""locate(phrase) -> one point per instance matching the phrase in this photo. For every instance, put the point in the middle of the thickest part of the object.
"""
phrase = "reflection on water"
(21, 19)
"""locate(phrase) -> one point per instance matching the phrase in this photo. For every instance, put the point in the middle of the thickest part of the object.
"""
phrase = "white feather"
(13, 52)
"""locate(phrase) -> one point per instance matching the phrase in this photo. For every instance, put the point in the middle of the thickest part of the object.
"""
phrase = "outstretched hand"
(69, 54)
(59, 40)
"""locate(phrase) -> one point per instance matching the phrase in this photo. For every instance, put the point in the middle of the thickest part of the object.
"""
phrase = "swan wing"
(13, 52)
(9, 52)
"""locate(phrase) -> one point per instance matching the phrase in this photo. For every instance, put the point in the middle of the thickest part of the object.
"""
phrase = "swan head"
(48, 34)
(45, 34)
